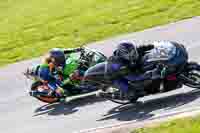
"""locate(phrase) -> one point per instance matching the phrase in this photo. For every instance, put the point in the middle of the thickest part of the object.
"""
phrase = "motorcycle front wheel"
(192, 77)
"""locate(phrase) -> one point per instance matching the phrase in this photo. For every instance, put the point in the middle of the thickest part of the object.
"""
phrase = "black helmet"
(57, 57)
(127, 51)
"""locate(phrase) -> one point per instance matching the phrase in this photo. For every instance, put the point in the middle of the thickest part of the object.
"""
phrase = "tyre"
(191, 77)
(40, 87)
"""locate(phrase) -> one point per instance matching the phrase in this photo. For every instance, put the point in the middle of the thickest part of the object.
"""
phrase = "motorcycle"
(85, 59)
(188, 75)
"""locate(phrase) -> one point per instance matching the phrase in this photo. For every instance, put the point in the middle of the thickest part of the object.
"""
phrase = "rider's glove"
(75, 75)
(67, 81)
(72, 77)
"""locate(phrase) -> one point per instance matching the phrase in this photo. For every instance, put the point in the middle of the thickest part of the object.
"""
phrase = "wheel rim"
(46, 99)
(195, 77)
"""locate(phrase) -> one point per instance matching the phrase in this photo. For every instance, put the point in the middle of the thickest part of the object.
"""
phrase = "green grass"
(28, 28)
(185, 125)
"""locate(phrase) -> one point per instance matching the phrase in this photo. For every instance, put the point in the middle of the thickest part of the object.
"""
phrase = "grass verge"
(31, 27)
(185, 125)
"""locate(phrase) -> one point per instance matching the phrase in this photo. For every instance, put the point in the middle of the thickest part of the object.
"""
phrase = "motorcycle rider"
(151, 61)
(156, 60)
(55, 71)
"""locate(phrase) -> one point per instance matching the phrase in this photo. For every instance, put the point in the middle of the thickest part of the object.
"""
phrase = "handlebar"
(95, 51)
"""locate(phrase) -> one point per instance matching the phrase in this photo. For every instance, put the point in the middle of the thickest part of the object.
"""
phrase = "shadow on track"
(66, 108)
(143, 111)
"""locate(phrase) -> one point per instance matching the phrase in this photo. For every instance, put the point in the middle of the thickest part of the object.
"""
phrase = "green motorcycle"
(75, 61)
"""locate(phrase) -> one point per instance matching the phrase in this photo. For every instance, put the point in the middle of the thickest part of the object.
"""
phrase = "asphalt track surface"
(20, 113)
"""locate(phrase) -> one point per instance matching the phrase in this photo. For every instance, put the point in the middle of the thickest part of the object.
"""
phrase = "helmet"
(57, 57)
(127, 51)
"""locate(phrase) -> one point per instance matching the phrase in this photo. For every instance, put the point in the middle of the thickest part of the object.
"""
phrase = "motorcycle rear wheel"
(37, 86)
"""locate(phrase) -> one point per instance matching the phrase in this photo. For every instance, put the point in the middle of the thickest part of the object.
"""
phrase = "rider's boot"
(61, 94)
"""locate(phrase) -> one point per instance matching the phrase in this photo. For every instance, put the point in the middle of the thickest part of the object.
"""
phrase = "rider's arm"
(144, 48)
(66, 81)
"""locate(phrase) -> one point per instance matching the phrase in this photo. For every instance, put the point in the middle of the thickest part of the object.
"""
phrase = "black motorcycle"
(188, 74)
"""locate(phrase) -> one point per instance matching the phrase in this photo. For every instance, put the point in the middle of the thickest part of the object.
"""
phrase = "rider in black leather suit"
(154, 60)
